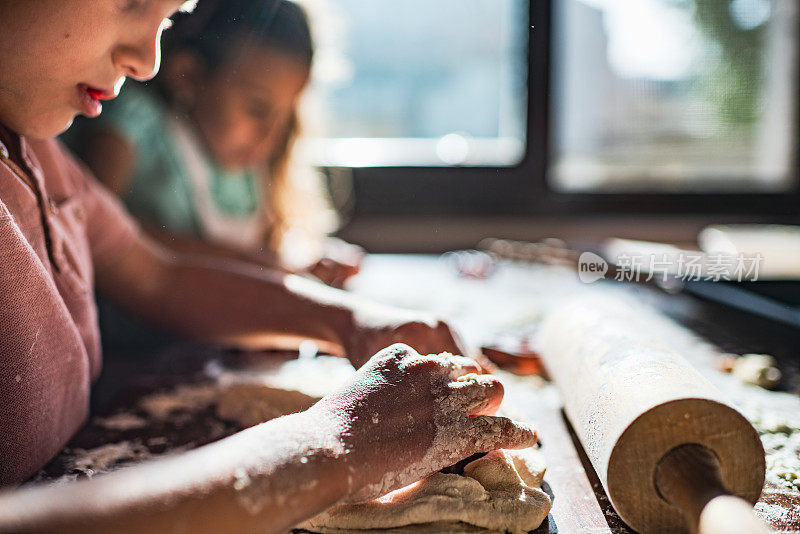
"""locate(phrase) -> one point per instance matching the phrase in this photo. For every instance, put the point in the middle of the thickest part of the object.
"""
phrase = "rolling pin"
(672, 456)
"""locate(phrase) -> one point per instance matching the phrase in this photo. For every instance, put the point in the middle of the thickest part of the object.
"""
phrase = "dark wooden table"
(579, 502)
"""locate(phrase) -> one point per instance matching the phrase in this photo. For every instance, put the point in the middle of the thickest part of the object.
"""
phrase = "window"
(418, 83)
(517, 108)
(673, 95)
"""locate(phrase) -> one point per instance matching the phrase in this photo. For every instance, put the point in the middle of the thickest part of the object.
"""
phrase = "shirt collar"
(14, 146)
(17, 148)
(6, 142)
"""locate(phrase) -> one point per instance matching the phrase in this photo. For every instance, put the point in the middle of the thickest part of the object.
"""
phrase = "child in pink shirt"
(61, 233)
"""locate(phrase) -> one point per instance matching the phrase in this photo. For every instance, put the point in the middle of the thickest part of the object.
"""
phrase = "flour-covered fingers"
(487, 433)
(456, 365)
(481, 394)
(398, 352)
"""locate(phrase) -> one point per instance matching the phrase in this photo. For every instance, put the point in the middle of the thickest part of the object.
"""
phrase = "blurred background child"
(203, 155)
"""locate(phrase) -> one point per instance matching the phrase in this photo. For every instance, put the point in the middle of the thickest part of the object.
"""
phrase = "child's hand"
(405, 416)
(334, 272)
(339, 262)
(376, 326)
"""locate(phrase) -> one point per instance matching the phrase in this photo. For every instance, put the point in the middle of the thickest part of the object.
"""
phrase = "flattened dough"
(499, 492)
(250, 398)
(252, 403)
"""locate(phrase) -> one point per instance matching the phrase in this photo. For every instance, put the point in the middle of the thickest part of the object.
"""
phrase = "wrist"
(298, 458)
(330, 454)
(332, 309)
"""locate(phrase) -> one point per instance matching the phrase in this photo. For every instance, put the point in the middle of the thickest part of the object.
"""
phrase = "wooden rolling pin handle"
(689, 478)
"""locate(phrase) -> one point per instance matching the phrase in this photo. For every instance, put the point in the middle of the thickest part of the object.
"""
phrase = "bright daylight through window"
(674, 95)
(418, 82)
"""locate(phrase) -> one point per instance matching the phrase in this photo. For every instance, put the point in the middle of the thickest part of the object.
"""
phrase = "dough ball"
(499, 492)
(758, 370)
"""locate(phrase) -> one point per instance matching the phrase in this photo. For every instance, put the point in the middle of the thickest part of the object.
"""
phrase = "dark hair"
(217, 27)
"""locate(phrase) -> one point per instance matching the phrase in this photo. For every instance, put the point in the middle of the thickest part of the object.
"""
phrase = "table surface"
(505, 305)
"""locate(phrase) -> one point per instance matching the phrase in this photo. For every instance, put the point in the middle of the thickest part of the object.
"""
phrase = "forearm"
(193, 245)
(224, 301)
(264, 479)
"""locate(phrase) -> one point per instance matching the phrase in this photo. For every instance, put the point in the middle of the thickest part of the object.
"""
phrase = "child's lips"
(90, 98)
(100, 94)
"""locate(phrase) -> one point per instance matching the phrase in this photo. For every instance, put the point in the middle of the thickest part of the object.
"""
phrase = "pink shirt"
(53, 234)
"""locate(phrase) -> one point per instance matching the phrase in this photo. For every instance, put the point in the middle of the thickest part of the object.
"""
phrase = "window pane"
(418, 82)
(674, 95)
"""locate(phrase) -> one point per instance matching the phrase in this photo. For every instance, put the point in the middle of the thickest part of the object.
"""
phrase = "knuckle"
(398, 351)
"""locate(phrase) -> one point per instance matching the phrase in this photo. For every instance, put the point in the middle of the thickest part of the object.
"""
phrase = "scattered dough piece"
(105, 458)
(758, 370)
(184, 398)
(500, 492)
(252, 403)
(121, 421)
(251, 398)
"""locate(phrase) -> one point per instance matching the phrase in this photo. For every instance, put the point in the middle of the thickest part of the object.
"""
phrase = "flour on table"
(101, 458)
(500, 492)
(184, 398)
(314, 377)
(121, 421)
(83, 463)
(780, 435)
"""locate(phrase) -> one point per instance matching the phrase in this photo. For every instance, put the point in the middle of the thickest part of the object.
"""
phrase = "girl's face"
(59, 58)
(243, 109)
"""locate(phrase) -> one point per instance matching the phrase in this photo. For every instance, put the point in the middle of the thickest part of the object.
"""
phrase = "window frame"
(523, 190)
